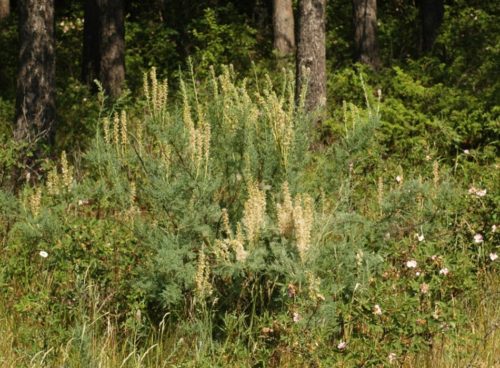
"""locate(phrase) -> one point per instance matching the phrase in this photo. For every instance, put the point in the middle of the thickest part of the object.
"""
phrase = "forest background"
(197, 207)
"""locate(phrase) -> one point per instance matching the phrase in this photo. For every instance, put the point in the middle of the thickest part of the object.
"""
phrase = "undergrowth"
(204, 231)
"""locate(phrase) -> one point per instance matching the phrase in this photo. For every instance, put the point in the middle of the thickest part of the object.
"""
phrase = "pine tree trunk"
(431, 15)
(284, 28)
(35, 97)
(311, 53)
(365, 32)
(91, 44)
(112, 46)
(4, 9)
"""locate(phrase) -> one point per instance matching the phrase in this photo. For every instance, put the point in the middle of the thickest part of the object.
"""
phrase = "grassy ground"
(97, 344)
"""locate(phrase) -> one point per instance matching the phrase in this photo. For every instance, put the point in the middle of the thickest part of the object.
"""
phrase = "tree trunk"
(311, 53)
(365, 32)
(4, 9)
(431, 16)
(103, 56)
(284, 28)
(112, 46)
(35, 97)
(91, 43)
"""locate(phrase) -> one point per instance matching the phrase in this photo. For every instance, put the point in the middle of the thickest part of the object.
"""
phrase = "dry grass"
(478, 345)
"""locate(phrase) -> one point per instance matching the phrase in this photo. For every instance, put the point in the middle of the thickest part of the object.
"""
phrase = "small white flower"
(377, 310)
(411, 264)
(478, 238)
(392, 357)
(444, 271)
(43, 254)
(417, 273)
(493, 256)
(341, 345)
(494, 228)
(477, 192)
(481, 192)
(466, 151)
(399, 179)
(420, 237)
(296, 317)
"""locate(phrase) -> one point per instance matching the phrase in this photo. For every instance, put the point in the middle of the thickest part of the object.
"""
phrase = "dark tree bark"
(284, 27)
(104, 45)
(112, 46)
(365, 32)
(431, 17)
(4, 9)
(35, 97)
(91, 43)
(311, 53)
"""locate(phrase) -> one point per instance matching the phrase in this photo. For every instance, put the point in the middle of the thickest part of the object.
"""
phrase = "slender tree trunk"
(365, 32)
(4, 9)
(311, 53)
(35, 97)
(112, 46)
(91, 43)
(431, 16)
(284, 28)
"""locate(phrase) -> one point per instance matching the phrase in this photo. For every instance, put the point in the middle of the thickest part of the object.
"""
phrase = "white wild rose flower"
(481, 192)
(477, 192)
(444, 271)
(478, 238)
(411, 263)
(341, 345)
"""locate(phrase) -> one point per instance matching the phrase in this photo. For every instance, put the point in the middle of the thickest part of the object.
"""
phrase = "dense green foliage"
(206, 223)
